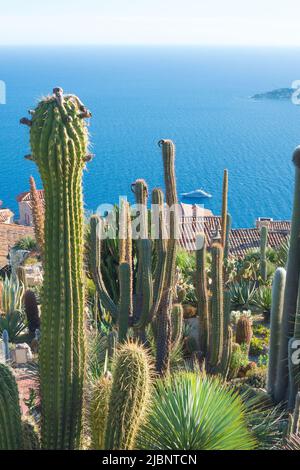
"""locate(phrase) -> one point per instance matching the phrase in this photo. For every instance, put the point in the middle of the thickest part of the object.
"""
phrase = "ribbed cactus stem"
(275, 328)
(164, 310)
(224, 208)
(32, 311)
(125, 244)
(244, 331)
(95, 266)
(177, 324)
(291, 289)
(227, 241)
(227, 352)
(125, 300)
(11, 435)
(217, 307)
(99, 411)
(129, 396)
(59, 142)
(37, 215)
(263, 248)
(202, 293)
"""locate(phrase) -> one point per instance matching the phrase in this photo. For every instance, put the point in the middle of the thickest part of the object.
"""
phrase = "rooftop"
(9, 235)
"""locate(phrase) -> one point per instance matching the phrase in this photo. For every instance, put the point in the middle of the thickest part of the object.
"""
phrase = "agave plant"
(14, 323)
(26, 243)
(195, 412)
(242, 293)
(262, 300)
(11, 295)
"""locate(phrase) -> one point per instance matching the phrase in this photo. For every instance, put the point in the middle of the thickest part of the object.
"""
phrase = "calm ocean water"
(197, 97)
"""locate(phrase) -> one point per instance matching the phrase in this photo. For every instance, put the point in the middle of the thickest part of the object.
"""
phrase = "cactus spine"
(276, 321)
(263, 258)
(59, 142)
(177, 324)
(11, 435)
(37, 215)
(129, 396)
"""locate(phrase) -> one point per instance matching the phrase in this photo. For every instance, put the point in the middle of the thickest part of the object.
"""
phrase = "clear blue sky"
(214, 22)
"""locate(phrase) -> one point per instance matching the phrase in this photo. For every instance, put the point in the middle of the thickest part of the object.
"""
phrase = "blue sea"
(199, 97)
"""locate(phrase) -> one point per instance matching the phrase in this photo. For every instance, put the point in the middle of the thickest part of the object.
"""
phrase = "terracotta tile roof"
(9, 235)
(5, 215)
(241, 240)
(26, 196)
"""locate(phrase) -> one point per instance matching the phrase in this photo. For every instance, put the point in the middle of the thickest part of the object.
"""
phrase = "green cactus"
(164, 340)
(263, 258)
(202, 293)
(129, 396)
(37, 215)
(275, 327)
(11, 435)
(224, 209)
(177, 324)
(59, 143)
(125, 300)
(291, 290)
(217, 307)
(227, 240)
(99, 411)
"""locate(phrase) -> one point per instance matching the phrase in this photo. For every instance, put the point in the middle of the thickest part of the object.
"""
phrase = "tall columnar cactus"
(244, 331)
(263, 258)
(37, 215)
(217, 307)
(202, 293)
(224, 208)
(59, 143)
(275, 327)
(164, 339)
(11, 435)
(291, 290)
(129, 396)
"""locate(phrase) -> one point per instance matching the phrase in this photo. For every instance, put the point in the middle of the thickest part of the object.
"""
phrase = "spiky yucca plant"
(195, 412)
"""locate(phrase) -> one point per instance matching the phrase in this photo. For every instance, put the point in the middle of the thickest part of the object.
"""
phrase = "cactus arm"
(160, 248)
(217, 307)
(224, 208)
(125, 300)
(202, 293)
(95, 266)
(227, 241)
(146, 284)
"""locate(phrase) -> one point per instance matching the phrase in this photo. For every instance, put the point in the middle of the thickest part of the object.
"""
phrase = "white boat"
(197, 194)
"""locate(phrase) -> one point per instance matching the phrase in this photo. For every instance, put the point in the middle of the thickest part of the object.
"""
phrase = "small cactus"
(129, 396)
(32, 311)
(244, 330)
(99, 410)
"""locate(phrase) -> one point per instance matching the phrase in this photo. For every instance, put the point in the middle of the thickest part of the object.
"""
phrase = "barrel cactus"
(59, 143)
(244, 331)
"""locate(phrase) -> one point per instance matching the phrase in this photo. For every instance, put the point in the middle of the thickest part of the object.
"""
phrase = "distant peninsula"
(278, 94)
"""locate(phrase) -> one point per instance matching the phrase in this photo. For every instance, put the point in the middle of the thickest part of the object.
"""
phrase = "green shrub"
(258, 346)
